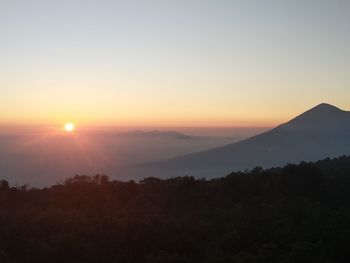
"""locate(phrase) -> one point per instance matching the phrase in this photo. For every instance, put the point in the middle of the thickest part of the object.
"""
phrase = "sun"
(69, 127)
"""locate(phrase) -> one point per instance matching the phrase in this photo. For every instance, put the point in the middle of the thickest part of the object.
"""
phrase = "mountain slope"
(323, 131)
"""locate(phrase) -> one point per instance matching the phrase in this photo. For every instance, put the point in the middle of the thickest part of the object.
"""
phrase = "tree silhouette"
(298, 213)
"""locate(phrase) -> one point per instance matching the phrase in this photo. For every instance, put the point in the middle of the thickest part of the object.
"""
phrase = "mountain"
(321, 132)
(42, 157)
(154, 134)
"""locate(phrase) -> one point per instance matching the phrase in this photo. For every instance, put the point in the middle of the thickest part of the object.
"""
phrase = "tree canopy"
(298, 213)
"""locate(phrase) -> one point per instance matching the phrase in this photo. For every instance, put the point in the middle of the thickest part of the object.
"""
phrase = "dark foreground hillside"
(299, 213)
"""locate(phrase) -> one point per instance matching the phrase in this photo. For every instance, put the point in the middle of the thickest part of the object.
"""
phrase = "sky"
(167, 62)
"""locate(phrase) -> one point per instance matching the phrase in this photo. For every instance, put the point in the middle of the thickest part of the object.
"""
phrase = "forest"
(297, 213)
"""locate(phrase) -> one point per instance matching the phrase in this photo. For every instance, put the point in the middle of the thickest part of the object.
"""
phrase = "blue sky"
(171, 62)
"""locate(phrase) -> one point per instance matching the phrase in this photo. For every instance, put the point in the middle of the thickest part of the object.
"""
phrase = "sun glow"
(69, 127)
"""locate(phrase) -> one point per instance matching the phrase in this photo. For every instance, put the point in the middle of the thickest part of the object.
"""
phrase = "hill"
(154, 134)
(298, 213)
(321, 132)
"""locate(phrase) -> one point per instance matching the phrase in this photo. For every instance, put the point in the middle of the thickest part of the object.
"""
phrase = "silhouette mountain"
(154, 134)
(321, 132)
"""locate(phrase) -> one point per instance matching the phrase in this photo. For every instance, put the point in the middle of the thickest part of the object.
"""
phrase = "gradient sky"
(188, 63)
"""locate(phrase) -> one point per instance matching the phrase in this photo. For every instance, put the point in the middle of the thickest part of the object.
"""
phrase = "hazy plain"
(40, 156)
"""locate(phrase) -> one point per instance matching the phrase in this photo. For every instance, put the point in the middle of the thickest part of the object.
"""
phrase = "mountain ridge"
(318, 133)
(154, 134)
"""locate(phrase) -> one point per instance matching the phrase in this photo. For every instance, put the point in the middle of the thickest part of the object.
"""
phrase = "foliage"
(299, 213)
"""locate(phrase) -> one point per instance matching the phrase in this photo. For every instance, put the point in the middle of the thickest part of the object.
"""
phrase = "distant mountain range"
(39, 159)
(323, 131)
(42, 157)
(154, 134)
